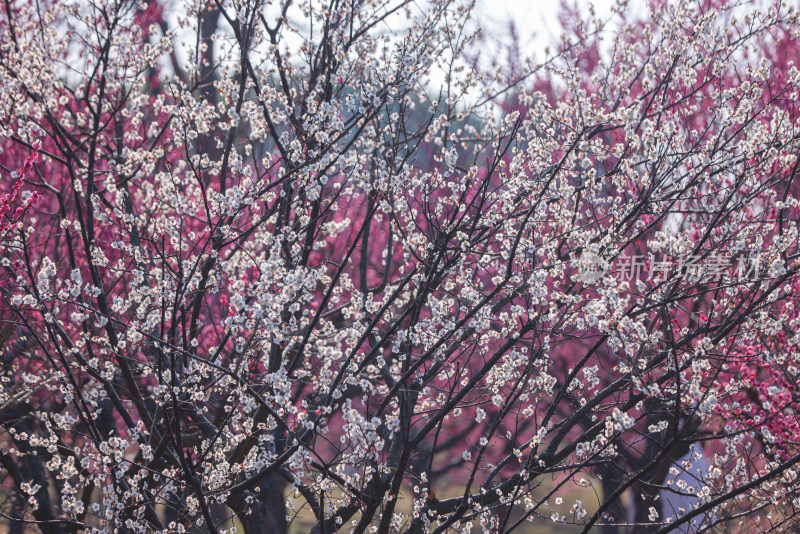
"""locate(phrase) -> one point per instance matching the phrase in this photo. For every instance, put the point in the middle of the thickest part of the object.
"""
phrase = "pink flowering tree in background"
(311, 266)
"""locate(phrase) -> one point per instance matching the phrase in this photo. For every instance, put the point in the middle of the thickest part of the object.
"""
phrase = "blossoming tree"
(267, 263)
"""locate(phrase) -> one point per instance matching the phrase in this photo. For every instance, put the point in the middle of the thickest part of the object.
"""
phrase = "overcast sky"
(536, 20)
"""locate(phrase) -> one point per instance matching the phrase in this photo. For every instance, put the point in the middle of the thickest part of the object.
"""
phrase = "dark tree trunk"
(17, 510)
(612, 479)
(267, 512)
(643, 500)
